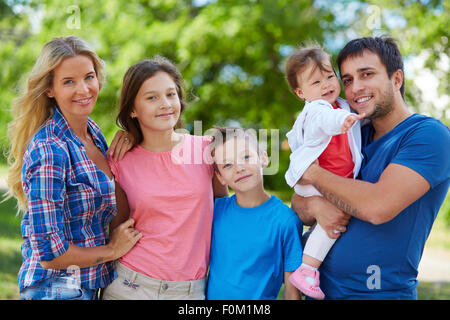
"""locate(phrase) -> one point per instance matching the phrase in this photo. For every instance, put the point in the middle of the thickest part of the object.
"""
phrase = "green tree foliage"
(421, 27)
(231, 53)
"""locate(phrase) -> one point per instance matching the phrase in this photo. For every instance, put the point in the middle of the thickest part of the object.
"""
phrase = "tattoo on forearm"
(339, 203)
(99, 260)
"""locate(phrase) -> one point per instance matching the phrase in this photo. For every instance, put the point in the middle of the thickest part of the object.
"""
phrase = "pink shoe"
(298, 279)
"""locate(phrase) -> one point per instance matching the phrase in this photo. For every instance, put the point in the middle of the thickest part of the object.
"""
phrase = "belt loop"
(190, 288)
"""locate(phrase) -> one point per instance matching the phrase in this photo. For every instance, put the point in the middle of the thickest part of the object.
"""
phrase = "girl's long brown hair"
(132, 82)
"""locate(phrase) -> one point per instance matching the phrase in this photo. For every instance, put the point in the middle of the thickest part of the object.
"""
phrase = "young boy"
(255, 242)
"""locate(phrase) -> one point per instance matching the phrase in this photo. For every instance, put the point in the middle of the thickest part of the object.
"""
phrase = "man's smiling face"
(367, 85)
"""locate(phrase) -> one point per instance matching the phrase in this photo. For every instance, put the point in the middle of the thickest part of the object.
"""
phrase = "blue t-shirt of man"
(381, 261)
(251, 248)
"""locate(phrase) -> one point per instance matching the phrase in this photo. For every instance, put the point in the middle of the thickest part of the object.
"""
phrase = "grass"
(11, 240)
(425, 291)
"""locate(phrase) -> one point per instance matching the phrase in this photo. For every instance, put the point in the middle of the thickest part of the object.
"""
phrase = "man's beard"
(385, 105)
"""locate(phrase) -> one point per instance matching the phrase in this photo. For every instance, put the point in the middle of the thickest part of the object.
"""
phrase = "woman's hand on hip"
(123, 238)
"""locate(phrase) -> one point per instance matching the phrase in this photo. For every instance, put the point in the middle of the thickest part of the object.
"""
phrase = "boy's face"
(239, 164)
(315, 84)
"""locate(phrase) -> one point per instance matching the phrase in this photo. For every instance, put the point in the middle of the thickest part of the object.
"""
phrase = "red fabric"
(337, 157)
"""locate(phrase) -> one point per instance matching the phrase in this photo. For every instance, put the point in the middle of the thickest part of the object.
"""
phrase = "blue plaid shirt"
(70, 201)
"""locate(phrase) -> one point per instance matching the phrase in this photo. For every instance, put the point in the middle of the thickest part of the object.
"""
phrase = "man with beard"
(386, 214)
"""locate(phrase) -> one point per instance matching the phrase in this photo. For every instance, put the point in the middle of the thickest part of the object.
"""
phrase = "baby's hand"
(350, 121)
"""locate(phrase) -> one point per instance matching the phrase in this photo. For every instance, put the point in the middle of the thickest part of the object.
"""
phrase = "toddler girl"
(321, 132)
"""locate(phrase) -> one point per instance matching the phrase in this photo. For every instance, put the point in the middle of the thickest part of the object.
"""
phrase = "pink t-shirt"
(171, 200)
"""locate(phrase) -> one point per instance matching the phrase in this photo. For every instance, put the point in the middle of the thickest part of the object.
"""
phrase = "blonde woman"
(61, 178)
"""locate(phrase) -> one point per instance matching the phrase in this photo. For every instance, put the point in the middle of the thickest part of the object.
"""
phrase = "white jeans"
(132, 285)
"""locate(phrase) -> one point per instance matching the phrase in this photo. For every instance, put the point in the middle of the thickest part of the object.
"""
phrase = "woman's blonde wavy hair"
(33, 107)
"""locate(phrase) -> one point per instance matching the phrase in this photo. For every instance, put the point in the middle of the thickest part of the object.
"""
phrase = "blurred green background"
(231, 54)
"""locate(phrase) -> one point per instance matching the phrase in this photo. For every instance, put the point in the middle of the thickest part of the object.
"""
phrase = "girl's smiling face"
(75, 87)
(315, 84)
(157, 105)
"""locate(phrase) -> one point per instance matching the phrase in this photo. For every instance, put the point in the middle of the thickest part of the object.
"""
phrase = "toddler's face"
(239, 164)
(318, 84)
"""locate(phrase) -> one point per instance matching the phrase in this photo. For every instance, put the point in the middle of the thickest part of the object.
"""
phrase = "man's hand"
(318, 209)
(330, 218)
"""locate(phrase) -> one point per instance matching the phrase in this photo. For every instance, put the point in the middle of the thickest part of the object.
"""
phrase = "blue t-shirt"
(380, 261)
(251, 248)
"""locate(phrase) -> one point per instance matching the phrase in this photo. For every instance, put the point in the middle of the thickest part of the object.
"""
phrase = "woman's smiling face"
(315, 84)
(75, 87)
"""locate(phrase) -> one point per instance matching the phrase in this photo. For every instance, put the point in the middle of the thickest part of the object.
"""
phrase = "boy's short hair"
(223, 134)
(299, 60)
(386, 49)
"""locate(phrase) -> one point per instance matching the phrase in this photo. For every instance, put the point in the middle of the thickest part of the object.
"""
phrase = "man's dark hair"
(386, 49)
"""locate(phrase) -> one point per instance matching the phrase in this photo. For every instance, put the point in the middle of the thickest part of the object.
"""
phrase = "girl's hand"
(123, 238)
(350, 121)
(121, 144)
